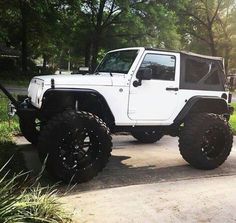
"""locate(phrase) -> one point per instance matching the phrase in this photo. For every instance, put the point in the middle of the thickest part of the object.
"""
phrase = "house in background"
(9, 59)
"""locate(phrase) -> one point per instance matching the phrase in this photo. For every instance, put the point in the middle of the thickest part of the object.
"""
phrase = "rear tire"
(78, 145)
(205, 141)
(148, 136)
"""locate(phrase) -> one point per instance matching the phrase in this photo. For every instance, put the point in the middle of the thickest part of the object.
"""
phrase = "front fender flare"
(56, 95)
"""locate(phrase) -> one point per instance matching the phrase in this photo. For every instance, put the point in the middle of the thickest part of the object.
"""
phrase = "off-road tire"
(148, 136)
(69, 157)
(205, 141)
(29, 129)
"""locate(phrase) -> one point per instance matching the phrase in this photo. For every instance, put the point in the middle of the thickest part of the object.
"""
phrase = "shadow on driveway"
(134, 164)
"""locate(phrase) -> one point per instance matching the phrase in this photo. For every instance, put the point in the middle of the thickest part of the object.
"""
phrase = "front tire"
(205, 141)
(30, 129)
(78, 145)
(147, 136)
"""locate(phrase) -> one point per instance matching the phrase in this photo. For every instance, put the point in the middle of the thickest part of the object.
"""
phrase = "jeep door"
(155, 99)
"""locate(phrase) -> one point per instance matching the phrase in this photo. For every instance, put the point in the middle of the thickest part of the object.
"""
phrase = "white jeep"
(146, 92)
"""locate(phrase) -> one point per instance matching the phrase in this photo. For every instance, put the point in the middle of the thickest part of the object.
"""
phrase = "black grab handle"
(172, 89)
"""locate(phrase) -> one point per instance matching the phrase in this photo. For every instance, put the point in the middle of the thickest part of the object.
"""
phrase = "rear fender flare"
(200, 104)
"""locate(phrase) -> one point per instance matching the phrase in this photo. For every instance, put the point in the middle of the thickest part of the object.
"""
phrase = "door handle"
(172, 89)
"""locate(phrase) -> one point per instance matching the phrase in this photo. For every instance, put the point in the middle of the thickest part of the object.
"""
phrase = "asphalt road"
(17, 90)
(152, 183)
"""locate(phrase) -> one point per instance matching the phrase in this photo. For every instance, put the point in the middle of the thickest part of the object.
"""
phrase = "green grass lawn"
(233, 118)
(8, 127)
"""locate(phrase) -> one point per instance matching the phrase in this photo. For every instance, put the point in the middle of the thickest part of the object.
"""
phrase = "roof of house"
(8, 51)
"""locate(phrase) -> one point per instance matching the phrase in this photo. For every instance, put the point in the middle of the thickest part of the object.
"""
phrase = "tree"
(31, 26)
(110, 23)
(205, 26)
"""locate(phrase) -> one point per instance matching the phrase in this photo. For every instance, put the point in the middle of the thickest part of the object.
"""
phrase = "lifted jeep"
(147, 92)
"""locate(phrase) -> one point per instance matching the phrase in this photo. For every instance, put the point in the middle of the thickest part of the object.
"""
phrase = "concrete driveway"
(152, 183)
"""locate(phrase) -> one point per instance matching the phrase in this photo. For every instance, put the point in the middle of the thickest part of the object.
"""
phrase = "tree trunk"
(95, 51)
(227, 57)
(97, 35)
(87, 54)
(44, 63)
(212, 42)
(24, 40)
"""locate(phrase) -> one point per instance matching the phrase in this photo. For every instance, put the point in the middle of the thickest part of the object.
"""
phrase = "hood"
(40, 84)
(72, 80)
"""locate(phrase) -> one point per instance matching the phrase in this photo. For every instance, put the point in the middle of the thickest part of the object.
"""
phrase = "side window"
(213, 79)
(195, 70)
(198, 71)
(163, 66)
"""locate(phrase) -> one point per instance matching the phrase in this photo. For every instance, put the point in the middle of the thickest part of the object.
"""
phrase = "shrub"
(20, 203)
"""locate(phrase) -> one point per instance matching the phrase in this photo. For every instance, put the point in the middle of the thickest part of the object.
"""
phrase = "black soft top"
(187, 54)
(199, 72)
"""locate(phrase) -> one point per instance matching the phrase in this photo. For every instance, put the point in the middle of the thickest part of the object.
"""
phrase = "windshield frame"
(117, 71)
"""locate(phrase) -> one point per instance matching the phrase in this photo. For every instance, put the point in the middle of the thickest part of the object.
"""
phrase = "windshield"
(118, 62)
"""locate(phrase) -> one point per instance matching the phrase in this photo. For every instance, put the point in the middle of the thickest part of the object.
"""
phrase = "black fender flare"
(199, 104)
(55, 94)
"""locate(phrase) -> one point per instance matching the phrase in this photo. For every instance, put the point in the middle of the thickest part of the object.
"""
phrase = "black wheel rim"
(150, 133)
(213, 143)
(78, 149)
(37, 125)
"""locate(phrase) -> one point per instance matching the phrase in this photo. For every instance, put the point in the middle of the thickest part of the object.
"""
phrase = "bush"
(20, 203)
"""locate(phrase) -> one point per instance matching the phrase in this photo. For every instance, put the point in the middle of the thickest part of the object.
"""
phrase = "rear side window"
(195, 70)
(163, 66)
(199, 73)
(213, 79)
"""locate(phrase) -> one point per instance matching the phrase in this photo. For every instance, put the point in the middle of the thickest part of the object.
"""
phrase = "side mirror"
(143, 74)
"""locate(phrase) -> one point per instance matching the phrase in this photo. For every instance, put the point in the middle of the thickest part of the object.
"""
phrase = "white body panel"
(116, 96)
(148, 104)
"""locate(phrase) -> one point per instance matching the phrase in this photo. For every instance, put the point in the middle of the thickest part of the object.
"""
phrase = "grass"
(233, 119)
(8, 149)
(7, 127)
